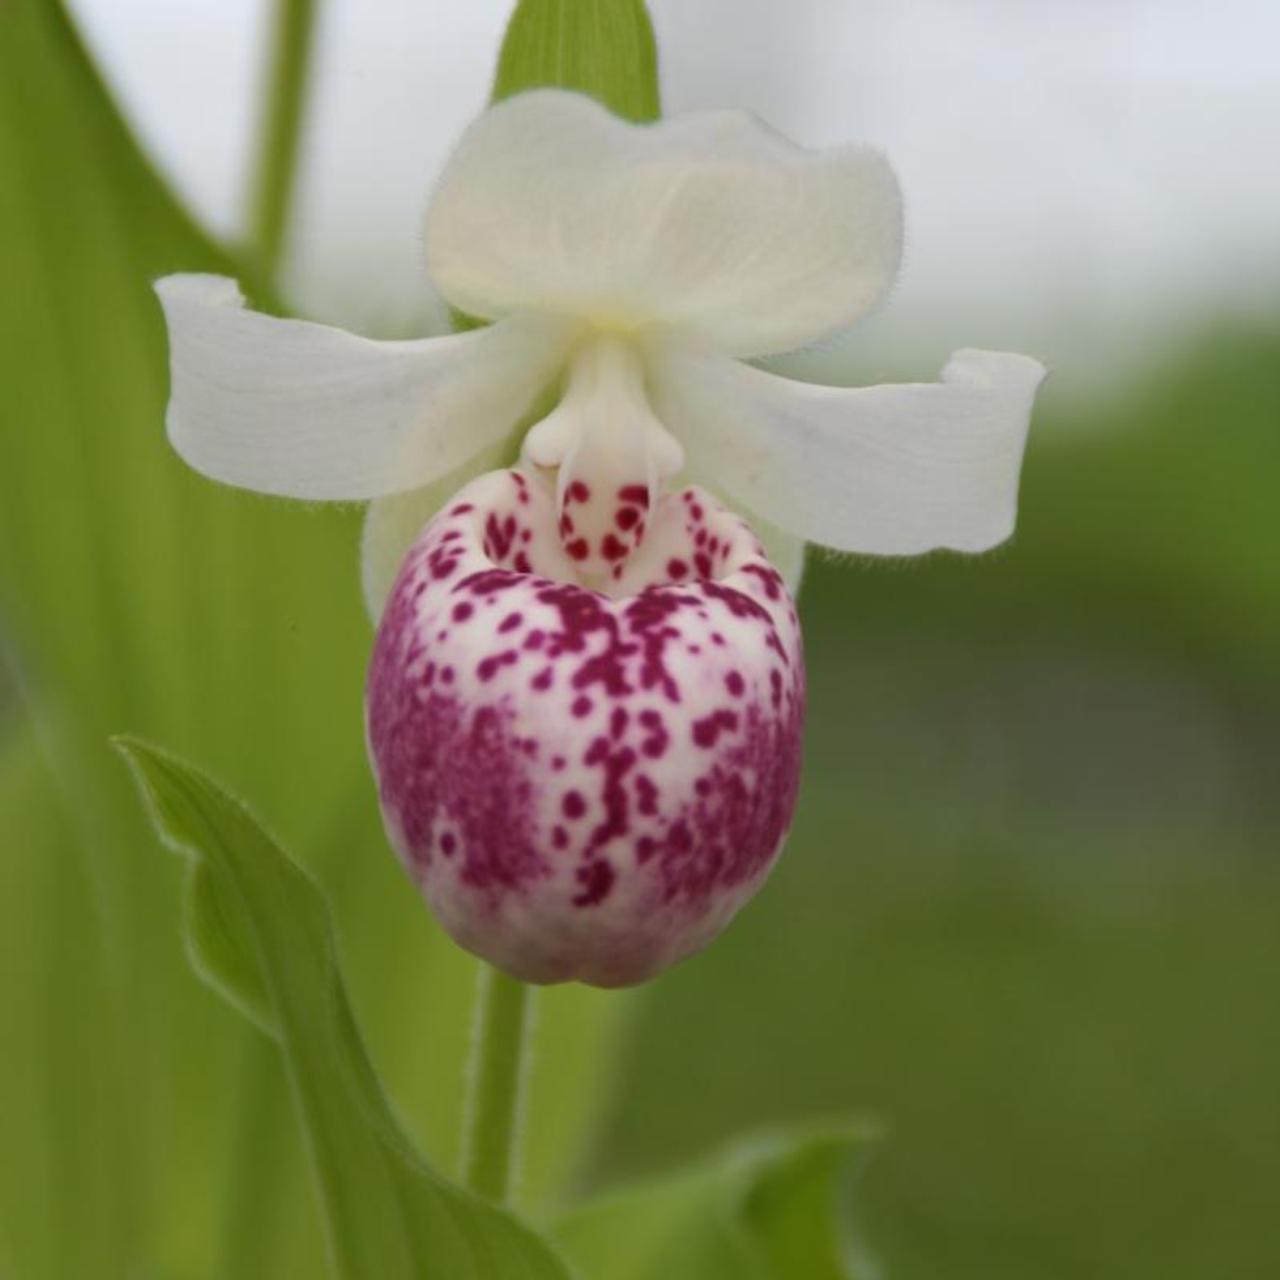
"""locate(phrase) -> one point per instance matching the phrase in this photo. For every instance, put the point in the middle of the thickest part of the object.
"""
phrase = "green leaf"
(136, 595)
(61, 1131)
(769, 1209)
(264, 934)
(604, 48)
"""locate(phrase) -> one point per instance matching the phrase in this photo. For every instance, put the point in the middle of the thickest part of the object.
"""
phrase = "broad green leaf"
(604, 48)
(767, 1210)
(137, 596)
(61, 1132)
(269, 941)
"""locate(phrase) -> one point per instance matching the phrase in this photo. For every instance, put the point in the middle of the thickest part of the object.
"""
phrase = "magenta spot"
(577, 492)
(448, 844)
(611, 548)
(707, 730)
(488, 667)
(573, 805)
(618, 718)
(677, 569)
(646, 795)
(734, 682)
(770, 579)
(462, 611)
(578, 549)
(581, 706)
(510, 622)
(534, 639)
(596, 879)
(637, 493)
(559, 837)
(542, 681)
(655, 744)
(626, 518)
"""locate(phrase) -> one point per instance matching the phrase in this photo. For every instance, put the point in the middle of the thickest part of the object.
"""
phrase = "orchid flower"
(586, 699)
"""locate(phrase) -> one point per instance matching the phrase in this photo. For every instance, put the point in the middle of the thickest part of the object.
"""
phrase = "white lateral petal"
(887, 470)
(711, 222)
(308, 411)
(392, 523)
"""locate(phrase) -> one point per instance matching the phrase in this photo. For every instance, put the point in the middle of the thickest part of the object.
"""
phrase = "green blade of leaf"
(389, 1215)
(604, 48)
(61, 1132)
(139, 596)
(769, 1209)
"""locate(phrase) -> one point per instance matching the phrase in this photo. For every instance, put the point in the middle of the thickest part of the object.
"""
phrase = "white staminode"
(633, 266)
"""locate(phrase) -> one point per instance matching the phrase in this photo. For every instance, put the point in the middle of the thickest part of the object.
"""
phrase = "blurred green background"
(1030, 914)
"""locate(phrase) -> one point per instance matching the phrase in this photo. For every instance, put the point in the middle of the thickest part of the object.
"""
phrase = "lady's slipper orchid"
(586, 698)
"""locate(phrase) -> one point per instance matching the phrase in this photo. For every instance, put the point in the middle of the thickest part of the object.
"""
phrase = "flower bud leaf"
(261, 933)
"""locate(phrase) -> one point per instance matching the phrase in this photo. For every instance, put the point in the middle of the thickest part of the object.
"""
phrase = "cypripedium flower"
(586, 698)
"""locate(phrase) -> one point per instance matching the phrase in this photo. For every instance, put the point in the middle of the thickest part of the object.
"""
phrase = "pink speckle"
(596, 879)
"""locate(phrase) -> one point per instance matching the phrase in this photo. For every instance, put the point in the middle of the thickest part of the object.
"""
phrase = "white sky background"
(1085, 180)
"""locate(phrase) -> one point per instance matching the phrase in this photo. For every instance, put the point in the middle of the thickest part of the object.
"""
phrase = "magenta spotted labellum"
(586, 699)
(586, 787)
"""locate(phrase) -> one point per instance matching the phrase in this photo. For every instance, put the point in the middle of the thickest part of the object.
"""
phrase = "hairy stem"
(280, 130)
(499, 1048)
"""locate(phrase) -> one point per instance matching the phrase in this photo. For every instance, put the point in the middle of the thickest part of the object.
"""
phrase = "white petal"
(711, 222)
(308, 411)
(392, 523)
(888, 470)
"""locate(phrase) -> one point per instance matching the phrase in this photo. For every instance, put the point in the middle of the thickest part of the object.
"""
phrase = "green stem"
(496, 1082)
(280, 129)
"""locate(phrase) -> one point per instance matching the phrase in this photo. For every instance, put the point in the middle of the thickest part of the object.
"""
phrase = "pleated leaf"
(263, 934)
